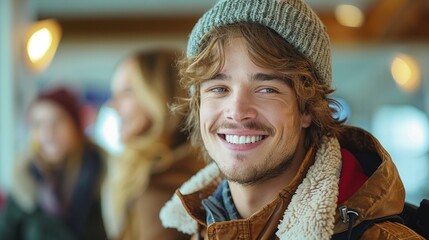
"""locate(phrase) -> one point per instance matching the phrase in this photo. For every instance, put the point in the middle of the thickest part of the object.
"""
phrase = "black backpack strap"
(417, 218)
(423, 218)
(358, 231)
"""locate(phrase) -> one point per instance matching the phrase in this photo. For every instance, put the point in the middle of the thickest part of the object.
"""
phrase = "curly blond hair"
(266, 49)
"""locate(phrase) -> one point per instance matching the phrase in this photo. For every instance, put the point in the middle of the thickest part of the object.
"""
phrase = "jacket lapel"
(312, 208)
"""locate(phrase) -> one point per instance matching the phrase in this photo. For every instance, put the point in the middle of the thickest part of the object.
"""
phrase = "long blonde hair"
(152, 151)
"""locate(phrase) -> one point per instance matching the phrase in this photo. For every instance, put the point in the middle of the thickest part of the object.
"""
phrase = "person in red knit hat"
(56, 188)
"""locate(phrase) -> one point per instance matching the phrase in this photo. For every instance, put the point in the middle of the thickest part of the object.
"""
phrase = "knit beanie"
(66, 100)
(293, 20)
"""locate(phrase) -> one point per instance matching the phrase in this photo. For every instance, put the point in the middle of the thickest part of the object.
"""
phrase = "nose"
(111, 103)
(240, 107)
(46, 132)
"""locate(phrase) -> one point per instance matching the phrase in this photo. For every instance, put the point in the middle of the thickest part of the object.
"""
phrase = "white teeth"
(235, 139)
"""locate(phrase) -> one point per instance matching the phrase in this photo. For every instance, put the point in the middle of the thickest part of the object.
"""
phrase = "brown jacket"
(307, 208)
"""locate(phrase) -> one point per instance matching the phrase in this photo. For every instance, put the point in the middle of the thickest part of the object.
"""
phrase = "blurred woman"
(56, 189)
(156, 157)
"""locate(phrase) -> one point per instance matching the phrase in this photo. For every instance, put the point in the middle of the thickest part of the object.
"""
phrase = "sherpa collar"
(310, 213)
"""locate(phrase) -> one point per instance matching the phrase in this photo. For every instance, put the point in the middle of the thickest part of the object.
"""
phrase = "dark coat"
(24, 218)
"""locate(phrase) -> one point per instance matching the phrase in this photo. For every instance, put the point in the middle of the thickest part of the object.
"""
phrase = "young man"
(259, 73)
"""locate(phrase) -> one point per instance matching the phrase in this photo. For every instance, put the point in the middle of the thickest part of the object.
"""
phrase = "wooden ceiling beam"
(127, 26)
(380, 16)
(394, 19)
(412, 22)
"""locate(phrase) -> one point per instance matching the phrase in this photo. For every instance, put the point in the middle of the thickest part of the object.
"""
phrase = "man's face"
(249, 119)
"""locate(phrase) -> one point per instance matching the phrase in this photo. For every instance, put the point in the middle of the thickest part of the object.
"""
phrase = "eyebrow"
(219, 76)
(253, 77)
(265, 77)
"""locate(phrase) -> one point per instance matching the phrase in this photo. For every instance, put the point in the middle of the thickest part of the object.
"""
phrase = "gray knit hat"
(292, 19)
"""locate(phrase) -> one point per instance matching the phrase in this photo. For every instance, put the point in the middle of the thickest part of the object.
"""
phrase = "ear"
(306, 120)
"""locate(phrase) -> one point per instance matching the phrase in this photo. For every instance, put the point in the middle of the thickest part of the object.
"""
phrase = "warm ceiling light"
(406, 72)
(42, 43)
(38, 44)
(349, 15)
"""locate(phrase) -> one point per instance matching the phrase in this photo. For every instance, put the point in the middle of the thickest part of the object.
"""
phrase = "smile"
(236, 139)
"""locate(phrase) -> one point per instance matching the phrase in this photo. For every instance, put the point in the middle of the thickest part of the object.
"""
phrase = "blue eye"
(267, 90)
(217, 89)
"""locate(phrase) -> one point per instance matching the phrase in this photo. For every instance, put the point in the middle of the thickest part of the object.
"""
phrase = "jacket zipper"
(348, 216)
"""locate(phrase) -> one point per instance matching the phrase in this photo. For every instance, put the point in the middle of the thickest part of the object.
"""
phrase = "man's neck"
(249, 199)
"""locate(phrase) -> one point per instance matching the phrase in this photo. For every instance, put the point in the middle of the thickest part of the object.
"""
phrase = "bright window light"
(403, 130)
(106, 130)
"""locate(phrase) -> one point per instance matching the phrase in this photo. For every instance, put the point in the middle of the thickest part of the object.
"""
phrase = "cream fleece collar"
(310, 213)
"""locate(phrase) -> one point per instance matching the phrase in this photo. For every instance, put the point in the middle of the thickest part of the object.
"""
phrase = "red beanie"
(65, 99)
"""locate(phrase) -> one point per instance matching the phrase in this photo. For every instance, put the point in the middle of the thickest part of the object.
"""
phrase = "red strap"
(352, 176)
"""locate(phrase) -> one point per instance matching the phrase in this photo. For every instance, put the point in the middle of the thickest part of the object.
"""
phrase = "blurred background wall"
(380, 66)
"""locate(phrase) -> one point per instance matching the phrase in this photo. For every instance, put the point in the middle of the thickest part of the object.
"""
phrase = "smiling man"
(280, 165)
(243, 121)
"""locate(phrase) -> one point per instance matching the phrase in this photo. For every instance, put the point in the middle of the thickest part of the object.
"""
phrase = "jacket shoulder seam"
(395, 230)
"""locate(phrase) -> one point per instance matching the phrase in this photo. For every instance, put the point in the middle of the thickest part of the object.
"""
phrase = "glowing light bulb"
(349, 15)
(406, 72)
(39, 44)
(42, 42)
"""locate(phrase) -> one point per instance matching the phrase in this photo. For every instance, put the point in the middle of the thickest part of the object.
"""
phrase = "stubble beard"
(254, 174)
(258, 173)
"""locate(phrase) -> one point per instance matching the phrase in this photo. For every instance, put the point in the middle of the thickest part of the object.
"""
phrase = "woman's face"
(134, 117)
(54, 131)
